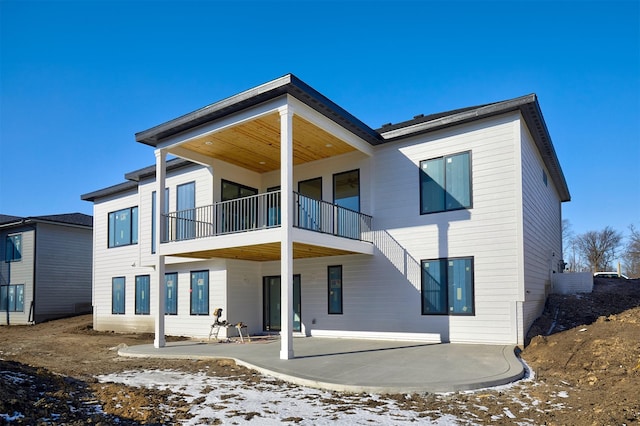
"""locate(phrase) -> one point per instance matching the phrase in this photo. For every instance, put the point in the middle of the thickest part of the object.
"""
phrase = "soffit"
(266, 252)
(255, 144)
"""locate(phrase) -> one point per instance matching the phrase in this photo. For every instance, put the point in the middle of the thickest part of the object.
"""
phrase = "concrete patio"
(357, 365)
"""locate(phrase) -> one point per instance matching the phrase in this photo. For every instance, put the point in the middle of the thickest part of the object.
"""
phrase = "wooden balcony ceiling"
(266, 252)
(255, 145)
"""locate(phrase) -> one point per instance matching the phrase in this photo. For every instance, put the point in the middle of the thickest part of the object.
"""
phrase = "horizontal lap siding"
(541, 230)
(112, 262)
(63, 269)
(487, 231)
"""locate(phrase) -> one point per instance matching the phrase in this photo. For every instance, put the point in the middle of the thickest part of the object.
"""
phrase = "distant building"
(45, 271)
(294, 216)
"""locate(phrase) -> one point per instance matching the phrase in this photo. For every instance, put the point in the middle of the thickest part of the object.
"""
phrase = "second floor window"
(13, 248)
(445, 183)
(123, 227)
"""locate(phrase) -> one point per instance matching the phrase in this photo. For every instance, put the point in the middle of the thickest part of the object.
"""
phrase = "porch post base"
(286, 354)
(159, 342)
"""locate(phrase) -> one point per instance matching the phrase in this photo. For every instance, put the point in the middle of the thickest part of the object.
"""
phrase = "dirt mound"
(593, 350)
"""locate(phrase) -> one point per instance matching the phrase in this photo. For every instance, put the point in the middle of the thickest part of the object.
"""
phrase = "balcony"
(263, 212)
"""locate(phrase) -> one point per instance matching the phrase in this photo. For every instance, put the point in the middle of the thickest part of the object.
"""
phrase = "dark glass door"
(272, 303)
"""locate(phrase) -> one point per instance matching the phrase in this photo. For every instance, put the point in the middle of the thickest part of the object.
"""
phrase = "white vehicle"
(610, 275)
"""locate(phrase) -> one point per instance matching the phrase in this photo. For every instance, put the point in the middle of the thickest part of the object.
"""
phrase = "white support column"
(286, 244)
(161, 171)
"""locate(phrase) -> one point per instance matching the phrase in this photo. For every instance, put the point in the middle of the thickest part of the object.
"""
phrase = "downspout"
(32, 309)
(8, 285)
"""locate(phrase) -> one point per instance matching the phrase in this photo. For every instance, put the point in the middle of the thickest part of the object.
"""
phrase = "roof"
(112, 190)
(289, 84)
(150, 171)
(133, 178)
(77, 219)
(5, 218)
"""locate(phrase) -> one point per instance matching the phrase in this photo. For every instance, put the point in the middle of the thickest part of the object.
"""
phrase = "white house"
(45, 272)
(292, 215)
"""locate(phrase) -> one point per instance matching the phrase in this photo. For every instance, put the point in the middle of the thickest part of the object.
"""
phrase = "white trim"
(378, 335)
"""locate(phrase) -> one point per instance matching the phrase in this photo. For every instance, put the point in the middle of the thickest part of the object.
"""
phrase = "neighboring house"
(444, 228)
(46, 267)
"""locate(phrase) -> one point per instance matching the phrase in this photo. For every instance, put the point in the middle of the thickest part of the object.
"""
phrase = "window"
(123, 227)
(153, 219)
(232, 191)
(447, 287)
(171, 293)
(274, 215)
(13, 248)
(309, 209)
(544, 178)
(239, 215)
(142, 295)
(12, 298)
(200, 293)
(186, 214)
(445, 183)
(117, 295)
(335, 289)
(346, 193)
(346, 190)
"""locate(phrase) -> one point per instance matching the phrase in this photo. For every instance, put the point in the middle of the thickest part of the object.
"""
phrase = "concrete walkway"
(355, 365)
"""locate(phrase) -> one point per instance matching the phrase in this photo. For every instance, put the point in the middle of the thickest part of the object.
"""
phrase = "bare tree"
(569, 247)
(599, 247)
(631, 255)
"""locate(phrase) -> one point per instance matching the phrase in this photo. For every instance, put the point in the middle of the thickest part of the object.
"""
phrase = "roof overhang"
(286, 85)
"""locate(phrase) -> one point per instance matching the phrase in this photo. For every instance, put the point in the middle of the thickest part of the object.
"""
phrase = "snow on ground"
(270, 402)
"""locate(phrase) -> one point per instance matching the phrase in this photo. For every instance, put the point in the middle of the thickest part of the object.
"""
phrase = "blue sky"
(78, 79)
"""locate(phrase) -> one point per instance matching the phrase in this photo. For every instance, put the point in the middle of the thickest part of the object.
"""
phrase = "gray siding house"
(45, 269)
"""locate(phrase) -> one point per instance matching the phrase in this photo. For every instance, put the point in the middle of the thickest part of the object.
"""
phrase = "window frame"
(17, 295)
(330, 309)
(123, 291)
(143, 307)
(239, 186)
(154, 206)
(199, 312)
(10, 242)
(184, 222)
(133, 230)
(444, 189)
(166, 294)
(447, 287)
(333, 181)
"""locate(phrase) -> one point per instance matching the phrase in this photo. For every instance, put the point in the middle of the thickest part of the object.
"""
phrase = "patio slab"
(357, 365)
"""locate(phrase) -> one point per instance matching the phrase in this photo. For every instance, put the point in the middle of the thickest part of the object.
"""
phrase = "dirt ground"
(584, 352)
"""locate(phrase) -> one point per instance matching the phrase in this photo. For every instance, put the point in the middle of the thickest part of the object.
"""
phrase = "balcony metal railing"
(263, 211)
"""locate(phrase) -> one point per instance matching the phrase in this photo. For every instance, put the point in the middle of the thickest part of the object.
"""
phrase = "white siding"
(381, 293)
(542, 234)
(487, 232)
